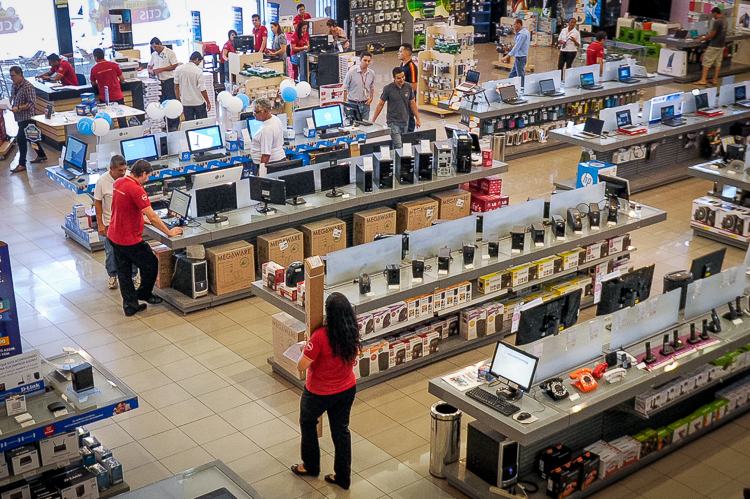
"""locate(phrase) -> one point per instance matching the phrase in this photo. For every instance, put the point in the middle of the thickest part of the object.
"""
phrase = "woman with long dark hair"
(330, 387)
(300, 43)
(228, 47)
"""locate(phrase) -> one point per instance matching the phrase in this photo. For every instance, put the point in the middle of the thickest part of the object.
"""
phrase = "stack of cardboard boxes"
(83, 223)
(486, 194)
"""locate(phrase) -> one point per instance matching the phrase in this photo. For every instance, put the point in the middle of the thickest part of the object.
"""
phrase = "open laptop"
(509, 95)
(472, 80)
(547, 88)
(701, 106)
(623, 74)
(668, 118)
(625, 124)
(588, 82)
(740, 97)
(592, 129)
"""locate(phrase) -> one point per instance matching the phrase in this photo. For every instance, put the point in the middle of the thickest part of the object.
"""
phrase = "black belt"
(357, 101)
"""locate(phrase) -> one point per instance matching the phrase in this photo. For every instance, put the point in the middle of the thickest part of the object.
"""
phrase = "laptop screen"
(587, 79)
(472, 77)
(739, 93)
(623, 118)
(594, 126)
(667, 112)
(624, 72)
(547, 86)
(701, 101)
(508, 93)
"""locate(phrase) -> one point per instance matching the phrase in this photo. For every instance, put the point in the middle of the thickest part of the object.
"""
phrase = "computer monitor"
(332, 178)
(616, 186)
(707, 265)
(415, 137)
(118, 134)
(215, 200)
(547, 86)
(298, 185)
(206, 139)
(244, 43)
(351, 111)
(548, 318)
(626, 290)
(327, 117)
(701, 101)
(318, 43)
(623, 118)
(623, 72)
(514, 367)
(267, 190)
(140, 148)
(587, 79)
(194, 124)
(472, 77)
(667, 113)
(179, 204)
(739, 93)
(283, 166)
(594, 126)
(332, 156)
(75, 155)
(219, 176)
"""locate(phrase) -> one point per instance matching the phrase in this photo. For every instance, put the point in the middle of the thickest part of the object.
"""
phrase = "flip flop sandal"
(295, 469)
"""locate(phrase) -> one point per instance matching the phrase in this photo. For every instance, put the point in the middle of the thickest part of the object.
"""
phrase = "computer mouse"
(523, 415)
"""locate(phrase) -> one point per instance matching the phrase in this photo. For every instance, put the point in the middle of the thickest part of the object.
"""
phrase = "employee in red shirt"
(330, 387)
(129, 204)
(301, 15)
(224, 56)
(595, 52)
(260, 34)
(108, 75)
(62, 71)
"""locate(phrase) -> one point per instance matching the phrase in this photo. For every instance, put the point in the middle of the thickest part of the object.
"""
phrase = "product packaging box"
(288, 292)
(453, 204)
(380, 357)
(59, 448)
(695, 422)
(707, 411)
(413, 308)
(589, 465)
(301, 294)
(22, 459)
(415, 215)
(382, 318)
(551, 458)
(494, 311)
(165, 255)
(114, 468)
(432, 342)
(283, 247)
(324, 236)
(563, 481)
(273, 275)
(679, 430)
(482, 203)
(610, 459)
(629, 447)
(362, 362)
(415, 347)
(231, 267)
(473, 323)
(398, 311)
(398, 352)
(286, 332)
(76, 482)
(17, 490)
(366, 324)
(664, 436)
(492, 282)
(588, 172)
(492, 185)
(568, 260)
(368, 224)
(545, 267)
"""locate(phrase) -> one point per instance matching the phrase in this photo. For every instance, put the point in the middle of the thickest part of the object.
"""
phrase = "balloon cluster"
(100, 125)
(170, 108)
(291, 92)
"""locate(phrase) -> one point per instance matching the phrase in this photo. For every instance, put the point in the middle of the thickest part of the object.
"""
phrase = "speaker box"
(190, 276)
(163, 150)
(364, 179)
(491, 456)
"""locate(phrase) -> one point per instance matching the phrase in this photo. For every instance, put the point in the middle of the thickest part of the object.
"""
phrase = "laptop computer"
(588, 82)
(625, 124)
(592, 129)
(668, 118)
(623, 73)
(740, 97)
(547, 88)
(681, 34)
(701, 106)
(509, 96)
(472, 80)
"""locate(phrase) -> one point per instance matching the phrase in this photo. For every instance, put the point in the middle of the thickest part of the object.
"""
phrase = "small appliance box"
(398, 352)
(695, 422)
(417, 214)
(61, 447)
(231, 267)
(286, 332)
(273, 275)
(482, 203)
(415, 347)
(610, 459)
(432, 342)
(564, 480)
(588, 172)
(16, 490)
(398, 312)
(551, 458)
(589, 464)
(494, 316)
(368, 224)
(232, 143)
(473, 323)
(366, 324)
(629, 447)
(283, 247)
(453, 204)
(382, 318)
(380, 357)
(413, 308)
(166, 265)
(491, 185)
(324, 236)
(76, 482)
(679, 430)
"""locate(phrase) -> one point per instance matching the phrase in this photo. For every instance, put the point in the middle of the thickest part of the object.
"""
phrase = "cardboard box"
(473, 323)
(589, 464)
(482, 203)
(679, 430)
(61, 447)
(301, 294)
(314, 293)
(366, 323)
(290, 293)
(494, 316)
(286, 332)
(563, 481)
(551, 458)
(380, 357)
(588, 172)
(22, 459)
(368, 224)
(231, 267)
(324, 236)
(397, 353)
(629, 447)
(492, 185)
(415, 215)
(610, 459)
(282, 247)
(432, 342)
(492, 282)
(569, 260)
(165, 255)
(453, 204)
(272, 275)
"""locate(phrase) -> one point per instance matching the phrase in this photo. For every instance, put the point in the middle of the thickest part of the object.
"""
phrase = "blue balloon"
(86, 126)
(245, 100)
(105, 116)
(289, 94)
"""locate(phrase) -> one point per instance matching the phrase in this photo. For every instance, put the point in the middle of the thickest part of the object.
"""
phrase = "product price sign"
(10, 333)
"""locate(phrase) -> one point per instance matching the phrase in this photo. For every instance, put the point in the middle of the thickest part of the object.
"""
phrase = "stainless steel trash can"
(445, 437)
(498, 147)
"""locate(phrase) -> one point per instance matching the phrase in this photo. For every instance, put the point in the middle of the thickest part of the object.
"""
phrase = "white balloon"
(235, 105)
(155, 111)
(303, 89)
(223, 97)
(101, 127)
(173, 109)
(286, 83)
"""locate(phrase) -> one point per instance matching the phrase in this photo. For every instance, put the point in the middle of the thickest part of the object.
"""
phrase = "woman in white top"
(569, 41)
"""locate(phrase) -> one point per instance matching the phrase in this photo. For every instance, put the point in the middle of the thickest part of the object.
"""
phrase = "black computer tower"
(364, 179)
(405, 168)
(190, 276)
(491, 456)
(423, 161)
(383, 168)
(461, 157)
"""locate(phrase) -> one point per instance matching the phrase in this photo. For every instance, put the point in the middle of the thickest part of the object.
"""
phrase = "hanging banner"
(272, 12)
(237, 23)
(10, 333)
(9, 21)
(144, 11)
(195, 26)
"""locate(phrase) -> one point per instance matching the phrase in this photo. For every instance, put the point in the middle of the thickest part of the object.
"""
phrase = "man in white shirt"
(359, 86)
(103, 206)
(190, 89)
(569, 41)
(162, 65)
(267, 145)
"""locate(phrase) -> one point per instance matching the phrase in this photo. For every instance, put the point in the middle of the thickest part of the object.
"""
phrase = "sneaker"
(137, 281)
(113, 282)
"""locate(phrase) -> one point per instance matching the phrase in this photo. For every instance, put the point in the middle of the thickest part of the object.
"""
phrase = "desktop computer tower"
(423, 161)
(405, 168)
(491, 456)
(190, 276)
(461, 158)
(383, 169)
(364, 179)
(441, 160)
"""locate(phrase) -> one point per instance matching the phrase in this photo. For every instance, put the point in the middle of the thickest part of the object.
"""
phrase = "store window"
(27, 35)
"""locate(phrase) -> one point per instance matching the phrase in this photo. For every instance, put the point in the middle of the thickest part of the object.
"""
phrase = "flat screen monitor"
(472, 77)
(253, 126)
(140, 148)
(298, 185)
(193, 124)
(707, 265)
(548, 318)
(616, 186)
(626, 290)
(204, 139)
(701, 101)
(587, 79)
(351, 111)
(214, 200)
(514, 366)
(624, 72)
(594, 126)
(328, 157)
(547, 86)
(318, 43)
(244, 43)
(623, 118)
(75, 155)
(327, 117)
(739, 93)
(282, 166)
(333, 177)
(180, 203)
(267, 190)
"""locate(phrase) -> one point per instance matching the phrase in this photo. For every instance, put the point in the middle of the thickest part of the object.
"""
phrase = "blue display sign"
(237, 20)
(272, 12)
(195, 26)
(10, 332)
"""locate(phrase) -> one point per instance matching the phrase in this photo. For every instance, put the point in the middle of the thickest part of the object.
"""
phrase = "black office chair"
(81, 79)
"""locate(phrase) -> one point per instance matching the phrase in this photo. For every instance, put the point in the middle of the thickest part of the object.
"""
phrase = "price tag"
(737, 321)
(367, 163)
(622, 320)
(184, 147)
(611, 275)
(429, 213)
(532, 303)
(697, 286)
(539, 350)
(653, 306)
(336, 233)
(31, 422)
(728, 277)
(315, 261)
(385, 152)
(407, 149)
(574, 396)
(424, 145)
(595, 329)
(283, 245)
(641, 311)
(460, 203)
(516, 319)
(572, 336)
(61, 412)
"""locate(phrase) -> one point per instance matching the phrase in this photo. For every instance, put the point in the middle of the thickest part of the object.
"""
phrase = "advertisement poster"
(420, 9)
(743, 17)
(143, 11)
(593, 11)
(9, 21)
(10, 333)
(237, 20)
(272, 12)
(567, 9)
(332, 94)
(195, 26)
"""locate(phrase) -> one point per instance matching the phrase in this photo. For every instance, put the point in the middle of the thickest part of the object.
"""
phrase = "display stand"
(693, 48)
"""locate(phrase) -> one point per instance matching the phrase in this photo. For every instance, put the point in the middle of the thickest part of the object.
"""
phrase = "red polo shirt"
(107, 74)
(328, 374)
(260, 32)
(229, 47)
(67, 72)
(297, 18)
(595, 50)
(128, 201)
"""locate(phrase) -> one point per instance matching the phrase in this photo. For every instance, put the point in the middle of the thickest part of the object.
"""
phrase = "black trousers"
(195, 112)
(23, 143)
(339, 408)
(566, 59)
(142, 257)
(167, 92)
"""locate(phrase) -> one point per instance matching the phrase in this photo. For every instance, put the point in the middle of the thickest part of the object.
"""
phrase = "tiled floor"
(207, 392)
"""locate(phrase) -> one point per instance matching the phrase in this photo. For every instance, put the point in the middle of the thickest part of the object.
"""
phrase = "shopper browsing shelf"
(190, 89)
(715, 51)
(106, 76)
(267, 145)
(300, 43)
(162, 65)
(61, 71)
(520, 50)
(23, 104)
(301, 15)
(569, 41)
(260, 34)
(331, 387)
(410, 75)
(359, 85)
(400, 99)
(595, 52)
(228, 47)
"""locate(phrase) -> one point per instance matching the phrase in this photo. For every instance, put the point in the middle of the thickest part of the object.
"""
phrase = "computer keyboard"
(209, 157)
(66, 174)
(158, 167)
(500, 405)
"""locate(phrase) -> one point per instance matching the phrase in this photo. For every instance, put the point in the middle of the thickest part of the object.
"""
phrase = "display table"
(55, 129)
(695, 46)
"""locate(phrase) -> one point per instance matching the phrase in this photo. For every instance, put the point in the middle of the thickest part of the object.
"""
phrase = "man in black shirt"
(400, 99)
(410, 75)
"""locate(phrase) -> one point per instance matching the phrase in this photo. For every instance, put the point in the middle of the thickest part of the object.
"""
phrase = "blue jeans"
(519, 68)
(109, 260)
(396, 130)
(363, 109)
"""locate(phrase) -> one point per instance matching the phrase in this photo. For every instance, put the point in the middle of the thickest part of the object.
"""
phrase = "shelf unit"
(366, 25)
(92, 247)
(480, 15)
